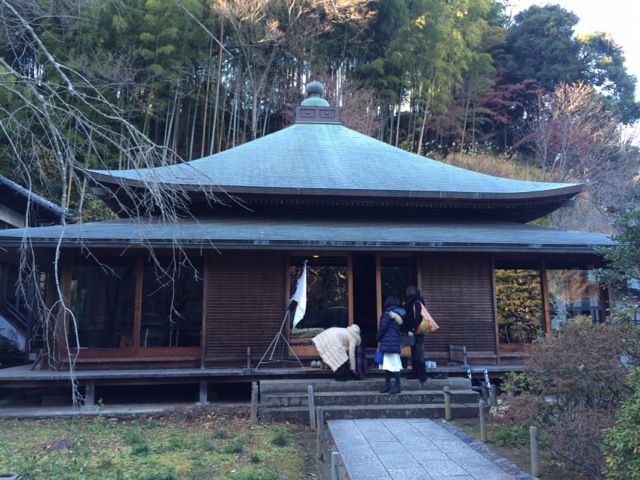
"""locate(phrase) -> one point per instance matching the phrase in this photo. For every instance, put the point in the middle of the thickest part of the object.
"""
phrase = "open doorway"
(365, 297)
(334, 285)
(396, 274)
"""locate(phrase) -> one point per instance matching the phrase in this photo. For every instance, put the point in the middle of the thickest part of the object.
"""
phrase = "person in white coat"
(337, 347)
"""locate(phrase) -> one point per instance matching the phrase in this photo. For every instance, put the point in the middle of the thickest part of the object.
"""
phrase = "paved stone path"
(415, 449)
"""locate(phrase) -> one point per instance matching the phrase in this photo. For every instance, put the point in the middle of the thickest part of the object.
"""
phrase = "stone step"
(432, 411)
(372, 383)
(288, 399)
(321, 399)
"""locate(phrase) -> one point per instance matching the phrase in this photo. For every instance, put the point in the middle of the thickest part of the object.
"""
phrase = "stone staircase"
(289, 399)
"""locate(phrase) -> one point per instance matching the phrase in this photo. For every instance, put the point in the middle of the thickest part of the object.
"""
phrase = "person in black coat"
(412, 305)
(389, 337)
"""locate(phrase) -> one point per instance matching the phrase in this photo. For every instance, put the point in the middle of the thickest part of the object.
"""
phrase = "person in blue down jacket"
(389, 337)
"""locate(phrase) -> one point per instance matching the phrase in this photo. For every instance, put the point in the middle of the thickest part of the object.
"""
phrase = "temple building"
(203, 289)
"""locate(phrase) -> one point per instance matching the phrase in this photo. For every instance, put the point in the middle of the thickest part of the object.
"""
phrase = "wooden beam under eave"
(11, 217)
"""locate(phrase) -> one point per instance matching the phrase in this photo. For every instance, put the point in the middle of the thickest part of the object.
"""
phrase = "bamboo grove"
(127, 84)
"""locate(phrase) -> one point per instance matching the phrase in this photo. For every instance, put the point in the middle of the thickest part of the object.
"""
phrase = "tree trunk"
(217, 99)
(207, 93)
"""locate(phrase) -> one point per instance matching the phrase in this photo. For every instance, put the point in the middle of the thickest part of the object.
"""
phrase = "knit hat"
(354, 331)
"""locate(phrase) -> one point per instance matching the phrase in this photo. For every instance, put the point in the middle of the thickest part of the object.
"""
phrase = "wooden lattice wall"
(245, 305)
(458, 291)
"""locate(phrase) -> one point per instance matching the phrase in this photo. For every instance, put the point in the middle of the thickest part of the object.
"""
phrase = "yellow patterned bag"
(427, 323)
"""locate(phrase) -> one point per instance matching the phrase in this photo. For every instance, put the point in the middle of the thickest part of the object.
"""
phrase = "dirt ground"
(550, 469)
(317, 469)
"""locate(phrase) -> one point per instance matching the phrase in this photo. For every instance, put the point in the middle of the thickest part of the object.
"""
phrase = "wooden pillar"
(61, 322)
(90, 393)
(535, 451)
(605, 296)
(204, 391)
(137, 309)
(312, 408)
(379, 299)
(351, 318)
(494, 300)
(320, 434)
(544, 286)
(483, 421)
(335, 466)
(205, 301)
(254, 402)
(447, 403)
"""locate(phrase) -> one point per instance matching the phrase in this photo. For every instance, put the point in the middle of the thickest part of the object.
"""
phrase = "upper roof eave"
(563, 191)
(330, 159)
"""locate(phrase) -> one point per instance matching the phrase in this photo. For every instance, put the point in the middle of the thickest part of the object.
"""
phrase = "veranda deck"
(206, 379)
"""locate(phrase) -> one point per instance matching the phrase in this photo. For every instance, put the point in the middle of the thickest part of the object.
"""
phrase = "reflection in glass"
(573, 294)
(519, 306)
(171, 314)
(327, 291)
(397, 274)
(102, 302)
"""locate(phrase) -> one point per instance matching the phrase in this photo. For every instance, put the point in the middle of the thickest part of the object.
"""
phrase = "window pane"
(397, 274)
(573, 294)
(519, 305)
(102, 302)
(171, 314)
(327, 291)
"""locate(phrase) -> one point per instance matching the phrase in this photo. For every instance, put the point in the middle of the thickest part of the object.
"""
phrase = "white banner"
(300, 297)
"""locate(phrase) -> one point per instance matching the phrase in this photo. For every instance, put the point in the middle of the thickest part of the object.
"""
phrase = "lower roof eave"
(301, 245)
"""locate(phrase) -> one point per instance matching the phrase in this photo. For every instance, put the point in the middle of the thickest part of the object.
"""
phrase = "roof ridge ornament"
(315, 89)
(315, 109)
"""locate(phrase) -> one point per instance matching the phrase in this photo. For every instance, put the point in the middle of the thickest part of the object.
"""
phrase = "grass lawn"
(205, 443)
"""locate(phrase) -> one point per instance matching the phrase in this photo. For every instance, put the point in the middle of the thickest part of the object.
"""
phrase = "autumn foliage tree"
(570, 132)
(573, 137)
(572, 386)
